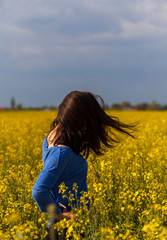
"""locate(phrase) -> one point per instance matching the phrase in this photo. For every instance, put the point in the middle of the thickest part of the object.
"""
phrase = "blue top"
(61, 164)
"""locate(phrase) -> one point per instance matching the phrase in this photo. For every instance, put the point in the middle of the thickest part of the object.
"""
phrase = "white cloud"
(14, 30)
(151, 11)
(25, 51)
(144, 29)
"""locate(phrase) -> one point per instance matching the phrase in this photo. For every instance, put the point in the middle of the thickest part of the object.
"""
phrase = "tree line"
(124, 106)
(127, 106)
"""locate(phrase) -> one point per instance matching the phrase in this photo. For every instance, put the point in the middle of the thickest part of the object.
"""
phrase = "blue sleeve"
(53, 168)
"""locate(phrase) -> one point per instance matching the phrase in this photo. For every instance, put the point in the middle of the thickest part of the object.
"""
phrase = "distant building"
(129, 109)
(2, 108)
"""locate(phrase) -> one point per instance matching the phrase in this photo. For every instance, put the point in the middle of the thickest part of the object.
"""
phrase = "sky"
(116, 49)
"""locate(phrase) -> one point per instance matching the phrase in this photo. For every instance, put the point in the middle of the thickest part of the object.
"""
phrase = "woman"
(81, 126)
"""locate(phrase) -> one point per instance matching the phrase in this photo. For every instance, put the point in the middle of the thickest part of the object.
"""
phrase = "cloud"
(42, 34)
(25, 51)
(13, 30)
(144, 29)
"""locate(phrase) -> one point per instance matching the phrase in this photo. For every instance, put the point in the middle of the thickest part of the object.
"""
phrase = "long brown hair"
(83, 125)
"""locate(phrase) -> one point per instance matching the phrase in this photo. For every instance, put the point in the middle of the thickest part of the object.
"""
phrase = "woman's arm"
(53, 168)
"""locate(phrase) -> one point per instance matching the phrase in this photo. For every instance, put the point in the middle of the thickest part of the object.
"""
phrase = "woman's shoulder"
(67, 154)
(62, 152)
(57, 156)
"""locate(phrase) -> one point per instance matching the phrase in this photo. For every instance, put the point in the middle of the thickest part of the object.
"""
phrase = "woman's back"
(72, 169)
(60, 164)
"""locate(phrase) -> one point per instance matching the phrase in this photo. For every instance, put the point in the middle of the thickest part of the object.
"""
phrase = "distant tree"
(142, 106)
(116, 106)
(12, 103)
(52, 107)
(165, 107)
(126, 104)
(19, 106)
(44, 107)
(154, 106)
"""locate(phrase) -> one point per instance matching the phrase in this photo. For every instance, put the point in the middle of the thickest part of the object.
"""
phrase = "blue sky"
(113, 48)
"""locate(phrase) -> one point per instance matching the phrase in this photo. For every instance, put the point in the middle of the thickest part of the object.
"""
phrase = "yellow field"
(127, 186)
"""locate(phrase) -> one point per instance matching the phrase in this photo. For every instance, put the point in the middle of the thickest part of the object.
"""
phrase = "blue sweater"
(61, 164)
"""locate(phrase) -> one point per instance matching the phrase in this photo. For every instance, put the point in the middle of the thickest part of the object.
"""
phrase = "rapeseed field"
(127, 186)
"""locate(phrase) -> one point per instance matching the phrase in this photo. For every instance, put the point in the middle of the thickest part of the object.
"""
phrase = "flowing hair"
(83, 125)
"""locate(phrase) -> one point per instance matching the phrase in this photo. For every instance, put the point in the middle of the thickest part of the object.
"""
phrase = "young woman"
(81, 126)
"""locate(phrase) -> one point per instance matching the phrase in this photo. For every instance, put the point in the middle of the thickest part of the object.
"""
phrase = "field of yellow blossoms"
(127, 186)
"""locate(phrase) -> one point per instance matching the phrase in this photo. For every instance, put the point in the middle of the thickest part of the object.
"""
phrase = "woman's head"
(82, 124)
